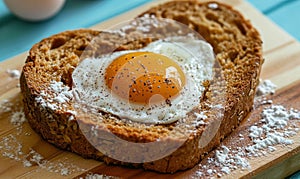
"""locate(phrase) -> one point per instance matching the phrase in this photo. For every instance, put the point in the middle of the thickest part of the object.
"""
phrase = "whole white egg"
(34, 10)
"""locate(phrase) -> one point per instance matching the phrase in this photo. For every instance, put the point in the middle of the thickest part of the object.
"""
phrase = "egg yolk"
(145, 77)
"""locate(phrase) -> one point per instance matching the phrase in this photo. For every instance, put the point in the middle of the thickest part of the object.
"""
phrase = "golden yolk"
(144, 77)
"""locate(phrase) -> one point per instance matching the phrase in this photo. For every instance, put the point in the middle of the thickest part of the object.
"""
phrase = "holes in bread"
(183, 19)
(213, 18)
(57, 42)
(233, 55)
(79, 50)
(66, 77)
(81, 47)
(241, 27)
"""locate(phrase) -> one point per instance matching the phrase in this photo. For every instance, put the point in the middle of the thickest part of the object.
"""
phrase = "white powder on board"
(5, 106)
(265, 87)
(13, 73)
(276, 126)
(11, 147)
(97, 176)
(15, 113)
(18, 118)
(272, 129)
(227, 160)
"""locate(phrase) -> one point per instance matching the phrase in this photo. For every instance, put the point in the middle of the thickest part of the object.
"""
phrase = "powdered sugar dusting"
(213, 5)
(272, 129)
(18, 118)
(6, 106)
(14, 113)
(97, 176)
(200, 117)
(56, 97)
(227, 160)
(13, 73)
(265, 87)
(275, 128)
(58, 93)
(12, 148)
(61, 167)
(11, 145)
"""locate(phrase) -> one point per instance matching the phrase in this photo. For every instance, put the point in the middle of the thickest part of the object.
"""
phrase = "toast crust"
(238, 49)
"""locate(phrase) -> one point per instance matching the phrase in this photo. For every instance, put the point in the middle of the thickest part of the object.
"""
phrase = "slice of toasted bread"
(49, 106)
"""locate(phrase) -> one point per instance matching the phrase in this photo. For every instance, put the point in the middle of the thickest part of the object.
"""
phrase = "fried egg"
(159, 83)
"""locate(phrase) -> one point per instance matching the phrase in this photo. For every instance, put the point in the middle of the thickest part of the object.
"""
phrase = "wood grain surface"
(282, 66)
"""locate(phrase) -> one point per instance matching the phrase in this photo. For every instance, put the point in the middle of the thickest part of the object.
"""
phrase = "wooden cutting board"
(282, 66)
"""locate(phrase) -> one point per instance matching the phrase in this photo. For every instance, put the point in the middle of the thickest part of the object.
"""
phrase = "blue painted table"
(17, 36)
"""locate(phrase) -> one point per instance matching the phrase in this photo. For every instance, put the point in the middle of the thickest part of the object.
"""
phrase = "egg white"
(195, 57)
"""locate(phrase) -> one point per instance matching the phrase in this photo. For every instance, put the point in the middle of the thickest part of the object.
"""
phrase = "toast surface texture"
(46, 78)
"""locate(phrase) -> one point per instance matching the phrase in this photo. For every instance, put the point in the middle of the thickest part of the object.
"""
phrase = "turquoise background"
(17, 36)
